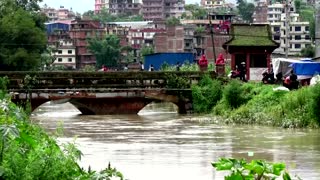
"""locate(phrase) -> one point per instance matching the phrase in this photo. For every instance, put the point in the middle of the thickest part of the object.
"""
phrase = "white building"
(298, 37)
(66, 54)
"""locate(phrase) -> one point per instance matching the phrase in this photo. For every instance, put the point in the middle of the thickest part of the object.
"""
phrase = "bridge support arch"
(110, 105)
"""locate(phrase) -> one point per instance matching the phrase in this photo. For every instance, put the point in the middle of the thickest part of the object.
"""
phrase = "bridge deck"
(95, 81)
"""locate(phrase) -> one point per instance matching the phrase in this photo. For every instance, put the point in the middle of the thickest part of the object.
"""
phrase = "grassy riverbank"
(257, 103)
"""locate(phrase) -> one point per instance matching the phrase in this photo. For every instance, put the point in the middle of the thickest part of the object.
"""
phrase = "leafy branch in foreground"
(255, 170)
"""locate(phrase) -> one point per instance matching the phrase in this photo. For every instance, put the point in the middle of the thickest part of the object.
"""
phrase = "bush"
(206, 94)
(233, 94)
(315, 103)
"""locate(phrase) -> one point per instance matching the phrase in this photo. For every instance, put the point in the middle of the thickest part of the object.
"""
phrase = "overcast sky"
(83, 5)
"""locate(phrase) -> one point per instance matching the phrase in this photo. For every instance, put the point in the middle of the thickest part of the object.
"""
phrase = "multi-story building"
(129, 7)
(187, 39)
(58, 14)
(65, 54)
(293, 37)
(80, 32)
(260, 13)
(100, 4)
(212, 4)
(138, 38)
(158, 10)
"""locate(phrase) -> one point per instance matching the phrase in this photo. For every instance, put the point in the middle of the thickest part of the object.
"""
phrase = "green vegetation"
(244, 35)
(27, 151)
(308, 52)
(307, 13)
(257, 103)
(105, 17)
(173, 21)
(206, 94)
(107, 50)
(185, 67)
(197, 12)
(22, 35)
(245, 10)
(255, 170)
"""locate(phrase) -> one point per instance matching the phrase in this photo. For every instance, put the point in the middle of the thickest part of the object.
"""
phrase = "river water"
(159, 144)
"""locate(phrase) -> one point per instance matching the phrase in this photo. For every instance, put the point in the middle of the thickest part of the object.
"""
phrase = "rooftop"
(250, 35)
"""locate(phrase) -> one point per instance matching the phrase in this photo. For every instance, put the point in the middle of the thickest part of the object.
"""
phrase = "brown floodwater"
(160, 144)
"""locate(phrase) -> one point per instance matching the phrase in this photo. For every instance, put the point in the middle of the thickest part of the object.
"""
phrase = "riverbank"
(257, 103)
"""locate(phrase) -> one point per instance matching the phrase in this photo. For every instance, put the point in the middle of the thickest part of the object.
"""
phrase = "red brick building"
(80, 31)
(179, 39)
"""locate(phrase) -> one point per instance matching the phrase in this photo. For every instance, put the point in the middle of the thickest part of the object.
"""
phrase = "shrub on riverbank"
(257, 103)
(206, 94)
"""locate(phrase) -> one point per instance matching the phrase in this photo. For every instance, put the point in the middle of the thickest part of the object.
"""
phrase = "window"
(297, 28)
(307, 28)
(297, 37)
(277, 37)
(307, 37)
(69, 59)
(59, 51)
(276, 29)
(69, 51)
(297, 46)
(59, 59)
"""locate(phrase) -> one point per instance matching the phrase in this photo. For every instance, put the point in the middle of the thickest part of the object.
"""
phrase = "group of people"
(290, 81)
(240, 72)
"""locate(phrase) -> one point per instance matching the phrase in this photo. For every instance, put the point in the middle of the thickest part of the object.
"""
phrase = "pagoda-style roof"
(251, 35)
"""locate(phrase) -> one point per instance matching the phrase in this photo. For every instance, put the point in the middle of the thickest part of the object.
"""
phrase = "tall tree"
(245, 10)
(22, 35)
(107, 50)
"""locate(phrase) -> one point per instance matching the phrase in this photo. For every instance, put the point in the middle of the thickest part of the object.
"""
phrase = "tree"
(245, 10)
(105, 16)
(173, 21)
(22, 35)
(107, 51)
(297, 5)
(196, 11)
(308, 51)
(146, 50)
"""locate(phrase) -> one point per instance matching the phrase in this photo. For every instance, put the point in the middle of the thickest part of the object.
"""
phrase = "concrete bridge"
(103, 92)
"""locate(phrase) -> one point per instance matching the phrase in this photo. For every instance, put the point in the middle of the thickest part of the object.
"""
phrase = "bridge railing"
(55, 81)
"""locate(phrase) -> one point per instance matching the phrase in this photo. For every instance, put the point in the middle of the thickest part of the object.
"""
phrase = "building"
(80, 32)
(129, 7)
(65, 54)
(213, 4)
(252, 45)
(260, 13)
(100, 4)
(298, 36)
(187, 38)
(58, 14)
(159, 10)
(138, 38)
(115, 7)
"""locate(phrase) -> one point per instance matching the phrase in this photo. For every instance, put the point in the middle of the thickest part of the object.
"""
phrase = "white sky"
(83, 5)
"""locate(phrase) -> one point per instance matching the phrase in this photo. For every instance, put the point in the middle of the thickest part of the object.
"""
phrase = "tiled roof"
(251, 35)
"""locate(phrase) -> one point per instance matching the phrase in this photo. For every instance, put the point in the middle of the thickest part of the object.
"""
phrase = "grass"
(257, 103)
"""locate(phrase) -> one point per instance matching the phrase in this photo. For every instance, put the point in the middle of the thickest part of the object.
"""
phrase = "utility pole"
(317, 29)
(287, 23)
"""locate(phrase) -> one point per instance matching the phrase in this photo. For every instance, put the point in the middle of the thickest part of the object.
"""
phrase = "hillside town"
(194, 31)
